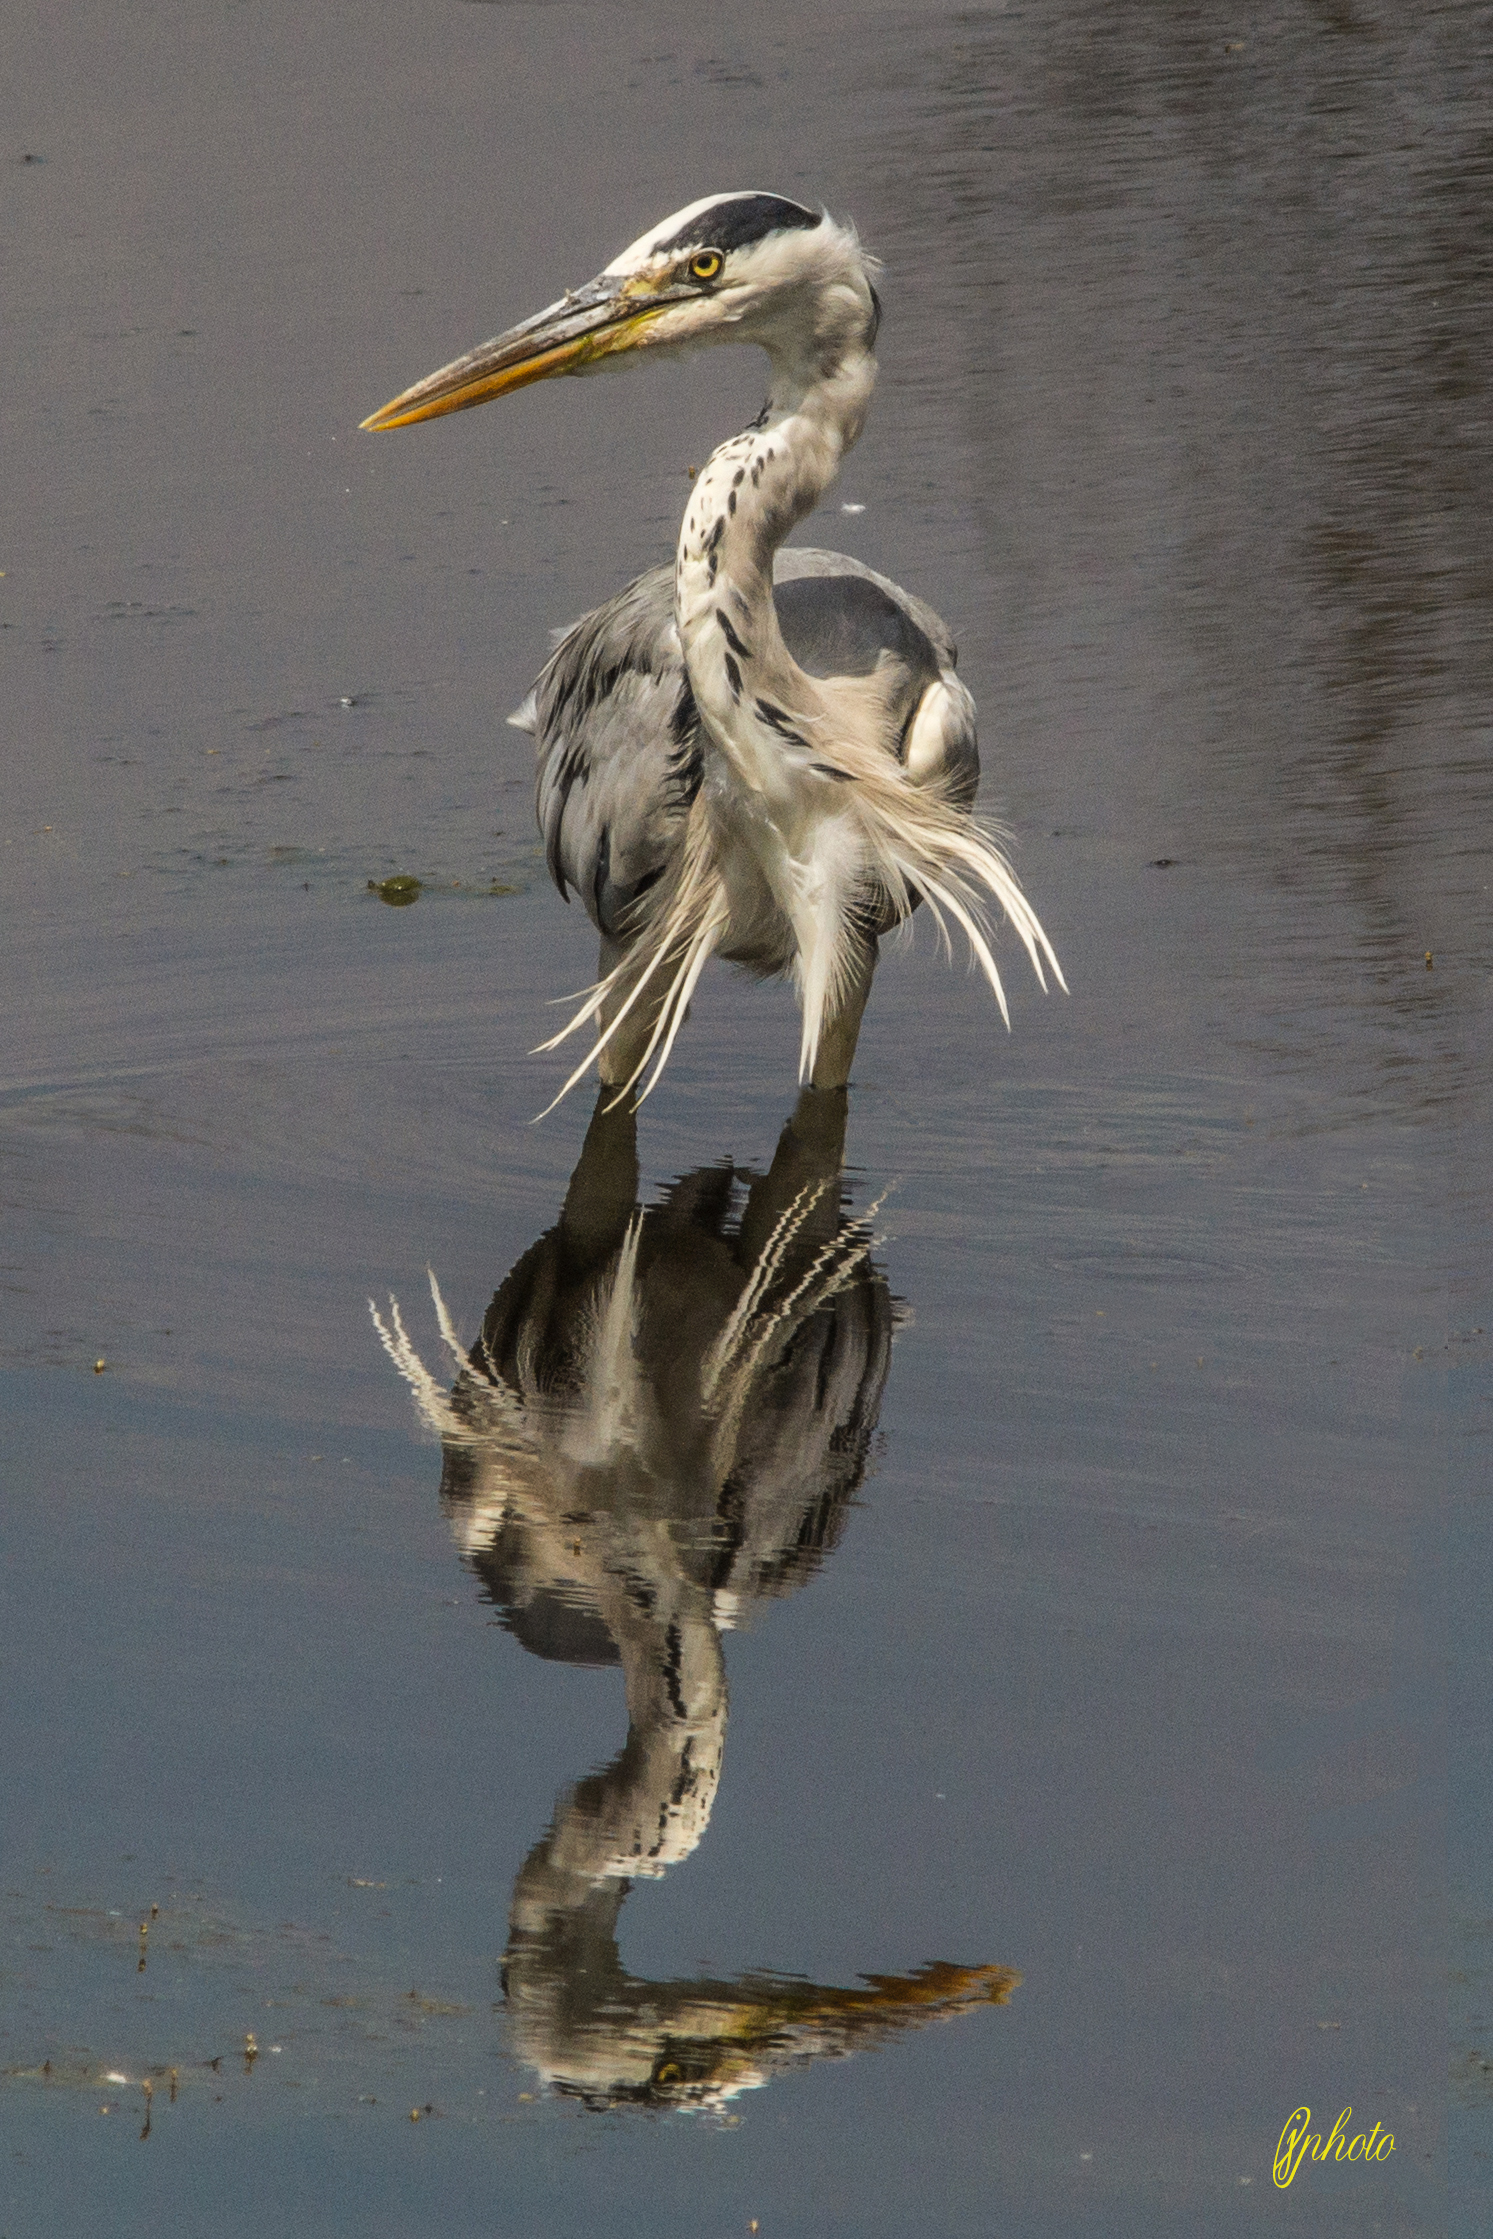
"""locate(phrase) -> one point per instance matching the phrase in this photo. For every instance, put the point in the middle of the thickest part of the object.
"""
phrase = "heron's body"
(763, 753)
(623, 752)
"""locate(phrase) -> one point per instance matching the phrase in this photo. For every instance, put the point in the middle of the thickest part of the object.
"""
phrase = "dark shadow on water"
(660, 1430)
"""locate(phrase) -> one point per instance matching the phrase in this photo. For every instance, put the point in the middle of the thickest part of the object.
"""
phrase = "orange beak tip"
(471, 383)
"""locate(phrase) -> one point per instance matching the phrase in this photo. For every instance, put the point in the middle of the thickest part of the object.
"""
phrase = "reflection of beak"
(718, 2045)
(592, 322)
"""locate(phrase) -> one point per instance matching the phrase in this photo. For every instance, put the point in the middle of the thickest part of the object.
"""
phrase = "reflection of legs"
(604, 1187)
(624, 1052)
(842, 1027)
(808, 1157)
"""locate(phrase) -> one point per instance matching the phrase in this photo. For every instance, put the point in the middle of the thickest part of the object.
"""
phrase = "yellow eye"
(706, 265)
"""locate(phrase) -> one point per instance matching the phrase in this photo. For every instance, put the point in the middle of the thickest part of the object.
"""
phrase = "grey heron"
(760, 753)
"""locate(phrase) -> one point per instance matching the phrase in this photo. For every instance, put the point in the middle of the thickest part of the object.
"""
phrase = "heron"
(763, 752)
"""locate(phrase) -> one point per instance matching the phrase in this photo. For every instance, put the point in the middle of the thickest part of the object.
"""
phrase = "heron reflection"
(659, 1429)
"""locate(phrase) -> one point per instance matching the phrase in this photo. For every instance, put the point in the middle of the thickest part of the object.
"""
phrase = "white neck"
(745, 502)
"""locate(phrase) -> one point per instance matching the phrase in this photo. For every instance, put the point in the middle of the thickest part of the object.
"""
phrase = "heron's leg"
(842, 1027)
(624, 1052)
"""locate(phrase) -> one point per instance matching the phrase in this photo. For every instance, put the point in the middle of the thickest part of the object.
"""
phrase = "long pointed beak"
(592, 322)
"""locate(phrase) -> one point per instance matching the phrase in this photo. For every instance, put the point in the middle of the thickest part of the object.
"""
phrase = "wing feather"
(619, 744)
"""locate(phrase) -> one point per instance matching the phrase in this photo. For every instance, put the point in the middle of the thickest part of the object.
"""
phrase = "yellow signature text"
(1298, 2141)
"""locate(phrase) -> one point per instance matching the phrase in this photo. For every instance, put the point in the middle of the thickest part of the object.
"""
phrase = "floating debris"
(398, 891)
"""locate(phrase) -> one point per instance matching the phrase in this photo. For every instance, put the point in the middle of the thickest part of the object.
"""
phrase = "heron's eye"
(706, 265)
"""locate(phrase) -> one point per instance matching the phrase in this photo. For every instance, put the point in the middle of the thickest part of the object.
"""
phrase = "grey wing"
(843, 624)
(618, 735)
(840, 618)
(619, 750)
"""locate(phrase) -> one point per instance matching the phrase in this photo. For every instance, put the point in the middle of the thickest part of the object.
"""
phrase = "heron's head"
(745, 267)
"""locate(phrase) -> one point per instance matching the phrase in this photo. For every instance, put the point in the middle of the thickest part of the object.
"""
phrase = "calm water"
(1051, 1679)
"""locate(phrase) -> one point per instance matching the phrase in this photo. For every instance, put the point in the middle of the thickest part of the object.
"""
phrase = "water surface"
(1076, 1643)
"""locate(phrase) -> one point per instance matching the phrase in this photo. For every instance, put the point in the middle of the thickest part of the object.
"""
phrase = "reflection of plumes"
(662, 1425)
(714, 1362)
(705, 1372)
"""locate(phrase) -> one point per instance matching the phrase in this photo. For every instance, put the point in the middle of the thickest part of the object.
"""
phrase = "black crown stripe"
(737, 222)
